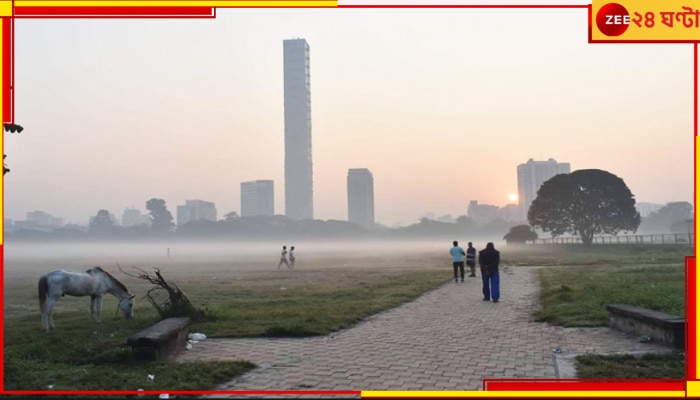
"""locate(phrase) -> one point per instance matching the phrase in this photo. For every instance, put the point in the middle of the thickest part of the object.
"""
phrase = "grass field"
(671, 365)
(245, 295)
(576, 292)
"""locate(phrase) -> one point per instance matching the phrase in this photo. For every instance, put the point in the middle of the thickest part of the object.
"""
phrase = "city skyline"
(443, 117)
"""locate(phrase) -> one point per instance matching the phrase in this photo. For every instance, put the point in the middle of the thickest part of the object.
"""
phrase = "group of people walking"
(283, 258)
(489, 260)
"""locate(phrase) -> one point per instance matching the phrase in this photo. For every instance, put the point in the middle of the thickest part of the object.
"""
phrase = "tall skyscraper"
(532, 175)
(257, 198)
(361, 197)
(298, 166)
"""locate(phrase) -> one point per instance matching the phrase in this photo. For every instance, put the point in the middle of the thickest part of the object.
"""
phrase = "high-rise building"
(298, 166)
(196, 210)
(482, 213)
(361, 197)
(133, 217)
(257, 198)
(43, 219)
(532, 175)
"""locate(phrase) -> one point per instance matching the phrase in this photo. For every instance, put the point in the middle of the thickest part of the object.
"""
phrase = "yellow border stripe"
(377, 394)
(5, 8)
(170, 3)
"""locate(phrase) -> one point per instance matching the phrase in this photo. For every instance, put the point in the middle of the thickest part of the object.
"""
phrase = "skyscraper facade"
(361, 197)
(257, 198)
(298, 166)
(531, 175)
(196, 210)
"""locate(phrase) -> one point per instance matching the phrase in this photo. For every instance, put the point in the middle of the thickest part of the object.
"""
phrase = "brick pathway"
(448, 339)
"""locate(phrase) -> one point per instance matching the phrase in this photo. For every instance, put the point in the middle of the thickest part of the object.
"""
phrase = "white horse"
(94, 283)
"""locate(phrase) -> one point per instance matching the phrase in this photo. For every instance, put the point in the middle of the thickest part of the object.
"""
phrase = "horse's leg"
(48, 312)
(45, 318)
(93, 313)
(98, 307)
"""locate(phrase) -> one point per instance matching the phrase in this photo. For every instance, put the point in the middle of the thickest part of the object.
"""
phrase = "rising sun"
(513, 197)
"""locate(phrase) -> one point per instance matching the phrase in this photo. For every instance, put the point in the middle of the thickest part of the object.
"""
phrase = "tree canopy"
(161, 219)
(585, 202)
(101, 223)
(520, 234)
(673, 217)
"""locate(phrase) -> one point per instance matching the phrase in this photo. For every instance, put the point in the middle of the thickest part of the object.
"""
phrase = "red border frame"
(113, 11)
(488, 383)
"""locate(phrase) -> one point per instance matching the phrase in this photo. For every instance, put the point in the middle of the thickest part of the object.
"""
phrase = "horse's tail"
(43, 288)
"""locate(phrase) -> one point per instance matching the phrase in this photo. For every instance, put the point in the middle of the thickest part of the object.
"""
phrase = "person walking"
(283, 258)
(291, 258)
(489, 258)
(458, 254)
(471, 259)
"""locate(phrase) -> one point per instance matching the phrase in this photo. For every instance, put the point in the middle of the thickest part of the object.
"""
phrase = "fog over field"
(193, 264)
(34, 259)
(220, 249)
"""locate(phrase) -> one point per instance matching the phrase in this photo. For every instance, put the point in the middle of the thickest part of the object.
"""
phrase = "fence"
(668, 238)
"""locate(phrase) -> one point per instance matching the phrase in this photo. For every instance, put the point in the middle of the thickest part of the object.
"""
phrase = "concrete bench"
(661, 327)
(161, 340)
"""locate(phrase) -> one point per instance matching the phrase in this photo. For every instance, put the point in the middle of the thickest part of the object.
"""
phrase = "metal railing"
(686, 239)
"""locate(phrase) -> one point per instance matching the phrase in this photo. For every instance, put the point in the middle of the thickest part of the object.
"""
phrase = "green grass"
(248, 298)
(81, 355)
(308, 304)
(578, 283)
(95, 357)
(579, 296)
(670, 365)
(583, 280)
(600, 255)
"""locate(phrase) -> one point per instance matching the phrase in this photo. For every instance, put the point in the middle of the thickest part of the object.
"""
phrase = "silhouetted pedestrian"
(471, 258)
(283, 258)
(457, 259)
(292, 258)
(489, 259)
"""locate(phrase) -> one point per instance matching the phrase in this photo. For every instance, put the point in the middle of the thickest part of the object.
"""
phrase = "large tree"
(161, 219)
(672, 217)
(585, 202)
(102, 222)
(520, 234)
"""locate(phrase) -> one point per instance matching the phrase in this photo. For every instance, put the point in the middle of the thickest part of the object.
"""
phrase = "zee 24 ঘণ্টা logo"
(613, 19)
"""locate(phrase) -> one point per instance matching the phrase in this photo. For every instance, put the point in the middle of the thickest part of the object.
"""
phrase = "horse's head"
(126, 304)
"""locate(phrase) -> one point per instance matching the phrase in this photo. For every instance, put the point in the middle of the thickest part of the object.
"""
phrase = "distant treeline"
(257, 228)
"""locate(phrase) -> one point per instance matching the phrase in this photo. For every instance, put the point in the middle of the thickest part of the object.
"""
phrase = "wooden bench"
(161, 340)
(660, 327)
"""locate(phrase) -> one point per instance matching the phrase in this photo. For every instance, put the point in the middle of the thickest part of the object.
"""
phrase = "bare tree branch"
(176, 302)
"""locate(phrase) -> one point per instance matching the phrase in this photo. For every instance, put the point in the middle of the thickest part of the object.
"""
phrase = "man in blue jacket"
(489, 258)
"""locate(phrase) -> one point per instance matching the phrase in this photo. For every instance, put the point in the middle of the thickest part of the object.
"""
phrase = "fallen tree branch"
(176, 304)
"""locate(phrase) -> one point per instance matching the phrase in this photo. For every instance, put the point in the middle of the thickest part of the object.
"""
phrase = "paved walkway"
(448, 339)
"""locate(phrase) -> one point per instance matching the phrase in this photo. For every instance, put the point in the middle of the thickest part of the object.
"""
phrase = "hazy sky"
(440, 104)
